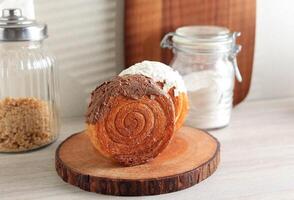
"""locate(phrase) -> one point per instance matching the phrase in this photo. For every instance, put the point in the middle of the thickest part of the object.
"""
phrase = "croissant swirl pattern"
(130, 119)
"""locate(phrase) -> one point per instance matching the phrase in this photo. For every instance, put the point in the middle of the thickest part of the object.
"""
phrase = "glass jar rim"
(202, 34)
(201, 39)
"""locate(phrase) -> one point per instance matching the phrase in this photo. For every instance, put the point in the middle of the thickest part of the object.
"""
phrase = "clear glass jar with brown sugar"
(28, 85)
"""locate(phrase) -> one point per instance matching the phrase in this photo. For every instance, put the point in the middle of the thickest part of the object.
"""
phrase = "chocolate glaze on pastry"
(130, 119)
(130, 86)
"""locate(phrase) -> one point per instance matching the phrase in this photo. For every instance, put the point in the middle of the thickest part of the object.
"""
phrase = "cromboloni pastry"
(130, 119)
(170, 81)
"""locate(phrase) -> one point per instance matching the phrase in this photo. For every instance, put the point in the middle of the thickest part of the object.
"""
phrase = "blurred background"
(94, 40)
(87, 37)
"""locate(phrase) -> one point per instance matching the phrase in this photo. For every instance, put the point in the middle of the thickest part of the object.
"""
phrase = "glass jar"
(206, 58)
(28, 85)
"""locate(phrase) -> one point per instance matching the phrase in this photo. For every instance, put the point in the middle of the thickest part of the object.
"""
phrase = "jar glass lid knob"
(13, 13)
(16, 27)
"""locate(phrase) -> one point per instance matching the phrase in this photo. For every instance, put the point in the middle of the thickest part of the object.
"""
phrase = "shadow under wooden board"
(147, 21)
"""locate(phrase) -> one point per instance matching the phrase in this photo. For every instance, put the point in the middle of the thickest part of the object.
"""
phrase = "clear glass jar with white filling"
(206, 58)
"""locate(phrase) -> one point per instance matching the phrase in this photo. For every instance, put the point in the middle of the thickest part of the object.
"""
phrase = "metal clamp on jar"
(206, 57)
(28, 87)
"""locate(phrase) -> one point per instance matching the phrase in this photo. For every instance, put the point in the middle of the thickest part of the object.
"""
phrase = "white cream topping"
(159, 72)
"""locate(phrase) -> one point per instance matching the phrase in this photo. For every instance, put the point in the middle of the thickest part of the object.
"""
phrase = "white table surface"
(257, 161)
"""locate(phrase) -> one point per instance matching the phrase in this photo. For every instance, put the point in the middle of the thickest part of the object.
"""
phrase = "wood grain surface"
(257, 162)
(147, 21)
(191, 157)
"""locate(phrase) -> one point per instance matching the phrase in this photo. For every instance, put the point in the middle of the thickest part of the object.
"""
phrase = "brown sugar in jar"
(25, 124)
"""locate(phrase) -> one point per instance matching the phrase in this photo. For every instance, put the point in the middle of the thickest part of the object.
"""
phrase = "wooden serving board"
(147, 21)
(192, 156)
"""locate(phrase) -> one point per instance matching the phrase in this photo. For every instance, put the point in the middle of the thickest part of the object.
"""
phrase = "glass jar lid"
(202, 39)
(15, 27)
(190, 35)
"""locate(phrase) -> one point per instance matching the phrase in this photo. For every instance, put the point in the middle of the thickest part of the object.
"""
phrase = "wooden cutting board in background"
(147, 21)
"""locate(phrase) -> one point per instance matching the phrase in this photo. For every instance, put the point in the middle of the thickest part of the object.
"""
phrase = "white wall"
(86, 37)
(273, 71)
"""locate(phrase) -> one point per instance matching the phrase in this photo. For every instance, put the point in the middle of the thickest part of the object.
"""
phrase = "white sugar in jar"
(206, 57)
